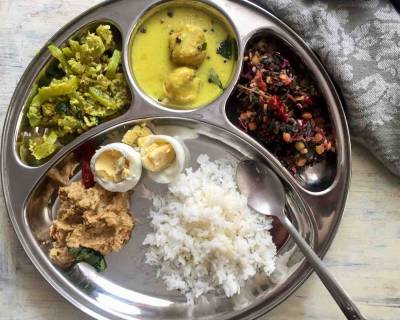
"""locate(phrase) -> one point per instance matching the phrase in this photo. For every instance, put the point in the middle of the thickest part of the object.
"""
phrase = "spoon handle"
(343, 300)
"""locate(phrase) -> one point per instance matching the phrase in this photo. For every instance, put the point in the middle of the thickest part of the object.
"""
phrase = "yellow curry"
(183, 56)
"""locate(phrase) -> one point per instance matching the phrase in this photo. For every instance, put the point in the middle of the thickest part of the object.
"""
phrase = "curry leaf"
(226, 48)
(63, 107)
(214, 78)
(90, 256)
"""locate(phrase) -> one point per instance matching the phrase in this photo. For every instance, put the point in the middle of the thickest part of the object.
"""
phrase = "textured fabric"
(359, 44)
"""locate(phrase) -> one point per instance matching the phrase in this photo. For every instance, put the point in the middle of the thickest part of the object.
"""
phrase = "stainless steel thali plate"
(129, 288)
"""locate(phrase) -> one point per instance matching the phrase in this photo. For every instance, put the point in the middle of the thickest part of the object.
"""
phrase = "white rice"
(205, 236)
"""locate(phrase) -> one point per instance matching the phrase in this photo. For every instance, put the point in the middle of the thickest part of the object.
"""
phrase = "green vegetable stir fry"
(85, 87)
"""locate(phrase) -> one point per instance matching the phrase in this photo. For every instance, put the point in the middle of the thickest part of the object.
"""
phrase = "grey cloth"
(359, 44)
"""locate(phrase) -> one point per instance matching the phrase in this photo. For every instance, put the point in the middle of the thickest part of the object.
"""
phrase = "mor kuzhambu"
(183, 56)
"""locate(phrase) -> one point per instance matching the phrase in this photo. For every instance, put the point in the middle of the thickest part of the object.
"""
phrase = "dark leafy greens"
(280, 106)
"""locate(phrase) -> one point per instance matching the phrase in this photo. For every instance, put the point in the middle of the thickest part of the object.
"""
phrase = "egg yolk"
(111, 165)
(136, 136)
(158, 156)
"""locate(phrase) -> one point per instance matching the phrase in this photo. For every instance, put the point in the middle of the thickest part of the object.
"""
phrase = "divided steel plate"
(129, 288)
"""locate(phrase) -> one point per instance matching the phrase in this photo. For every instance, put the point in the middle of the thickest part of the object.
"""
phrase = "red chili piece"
(87, 175)
(84, 154)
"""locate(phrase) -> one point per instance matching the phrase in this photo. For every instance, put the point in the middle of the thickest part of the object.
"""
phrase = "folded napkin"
(359, 44)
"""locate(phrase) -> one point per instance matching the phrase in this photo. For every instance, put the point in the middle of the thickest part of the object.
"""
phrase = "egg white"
(182, 158)
(135, 167)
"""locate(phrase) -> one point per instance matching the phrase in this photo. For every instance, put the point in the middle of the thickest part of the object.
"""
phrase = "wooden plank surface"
(365, 255)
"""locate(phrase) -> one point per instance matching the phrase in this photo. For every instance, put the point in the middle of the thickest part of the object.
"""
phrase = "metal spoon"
(266, 195)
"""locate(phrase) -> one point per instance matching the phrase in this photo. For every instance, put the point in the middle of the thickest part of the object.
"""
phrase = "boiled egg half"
(116, 167)
(164, 157)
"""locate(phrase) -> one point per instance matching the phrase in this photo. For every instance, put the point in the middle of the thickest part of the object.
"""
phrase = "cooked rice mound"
(205, 236)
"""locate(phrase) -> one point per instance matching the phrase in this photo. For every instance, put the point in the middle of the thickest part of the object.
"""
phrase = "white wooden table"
(365, 255)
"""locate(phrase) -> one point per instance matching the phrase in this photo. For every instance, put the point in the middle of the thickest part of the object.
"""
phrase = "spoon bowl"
(262, 187)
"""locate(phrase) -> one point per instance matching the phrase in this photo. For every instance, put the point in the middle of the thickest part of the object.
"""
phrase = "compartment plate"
(317, 213)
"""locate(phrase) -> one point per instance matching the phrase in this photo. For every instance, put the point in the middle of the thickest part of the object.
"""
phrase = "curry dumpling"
(182, 85)
(188, 46)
